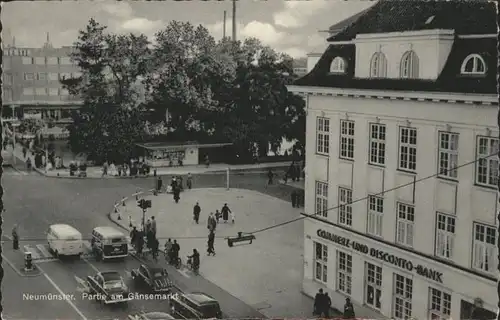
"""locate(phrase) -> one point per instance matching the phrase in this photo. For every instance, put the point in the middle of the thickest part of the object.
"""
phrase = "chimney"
(234, 20)
(224, 25)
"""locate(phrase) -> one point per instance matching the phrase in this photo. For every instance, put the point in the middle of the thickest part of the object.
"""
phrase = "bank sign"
(382, 255)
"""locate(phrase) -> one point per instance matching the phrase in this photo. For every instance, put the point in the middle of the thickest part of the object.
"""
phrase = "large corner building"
(402, 171)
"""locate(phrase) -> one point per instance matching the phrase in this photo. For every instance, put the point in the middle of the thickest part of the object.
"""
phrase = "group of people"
(148, 236)
(136, 167)
(323, 304)
(172, 250)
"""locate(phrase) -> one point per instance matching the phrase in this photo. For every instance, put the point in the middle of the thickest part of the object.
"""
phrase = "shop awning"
(179, 145)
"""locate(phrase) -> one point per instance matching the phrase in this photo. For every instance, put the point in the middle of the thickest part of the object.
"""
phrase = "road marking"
(34, 253)
(63, 294)
(185, 273)
(44, 251)
(91, 265)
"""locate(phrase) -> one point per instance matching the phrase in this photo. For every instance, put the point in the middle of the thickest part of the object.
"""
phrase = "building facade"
(31, 82)
(401, 177)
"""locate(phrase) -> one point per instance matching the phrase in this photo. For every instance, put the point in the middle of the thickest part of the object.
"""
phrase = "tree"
(111, 118)
(263, 112)
(188, 72)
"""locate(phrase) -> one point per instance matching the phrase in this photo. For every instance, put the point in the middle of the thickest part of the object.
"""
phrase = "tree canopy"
(194, 86)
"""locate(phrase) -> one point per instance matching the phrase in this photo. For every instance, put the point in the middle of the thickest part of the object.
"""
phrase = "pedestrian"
(318, 300)
(168, 249)
(211, 223)
(133, 235)
(176, 248)
(211, 241)
(217, 216)
(349, 309)
(105, 168)
(270, 176)
(207, 161)
(153, 226)
(154, 249)
(327, 306)
(294, 199)
(177, 193)
(173, 184)
(28, 164)
(15, 238)
(119, 168)
(225, 212)
(148, 226)
(196, 212)
(25, 151)
(140, 242)
(189, 181)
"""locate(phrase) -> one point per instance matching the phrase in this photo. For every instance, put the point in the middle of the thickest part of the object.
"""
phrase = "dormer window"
(473, 65)
(409, 65)
(378, 66)
(337, 65)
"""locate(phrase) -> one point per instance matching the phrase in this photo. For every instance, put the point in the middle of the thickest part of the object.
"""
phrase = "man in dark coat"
(175, 251)
(294, 199)
(196, 212)
(270, 176)
(211, 241)
(318, 302)
(349, 309)
(211, 223)
(225, 212)
(177, 193)
(327, 306)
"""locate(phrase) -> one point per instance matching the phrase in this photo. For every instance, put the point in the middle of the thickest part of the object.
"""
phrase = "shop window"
(439, 304)
(373, 285)
(321, 262)
(344, 272)
(402, 297)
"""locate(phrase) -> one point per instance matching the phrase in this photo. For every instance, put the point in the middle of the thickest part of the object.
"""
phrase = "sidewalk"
(274, 290)
(96, 172)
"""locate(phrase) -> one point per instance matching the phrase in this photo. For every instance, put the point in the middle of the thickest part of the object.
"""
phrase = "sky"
(288, 26)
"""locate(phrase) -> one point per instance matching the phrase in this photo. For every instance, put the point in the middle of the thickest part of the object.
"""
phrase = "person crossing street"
(225, 212)
(196, 213)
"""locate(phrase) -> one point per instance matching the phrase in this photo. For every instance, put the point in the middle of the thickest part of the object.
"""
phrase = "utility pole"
(234, 20)
(224, 26)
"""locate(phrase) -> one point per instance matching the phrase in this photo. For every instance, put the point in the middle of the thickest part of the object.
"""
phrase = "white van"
(64, 240)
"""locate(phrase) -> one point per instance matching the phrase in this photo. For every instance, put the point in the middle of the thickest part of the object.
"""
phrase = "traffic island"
(272, 289)
(17, 261)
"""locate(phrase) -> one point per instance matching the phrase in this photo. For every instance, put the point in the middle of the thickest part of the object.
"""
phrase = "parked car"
(151, 316)
(108, 287)
(153, 277)
(195, 305)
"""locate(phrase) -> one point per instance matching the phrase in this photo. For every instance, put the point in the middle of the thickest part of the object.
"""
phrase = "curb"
(16, 269)
(237, 171)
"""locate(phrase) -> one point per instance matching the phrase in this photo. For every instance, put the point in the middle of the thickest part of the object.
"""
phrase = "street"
(34, 202)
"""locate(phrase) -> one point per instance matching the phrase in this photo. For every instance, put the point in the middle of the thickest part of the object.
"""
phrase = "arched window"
(378, 66)
(473, 64)
(409, 65)
(338, 65)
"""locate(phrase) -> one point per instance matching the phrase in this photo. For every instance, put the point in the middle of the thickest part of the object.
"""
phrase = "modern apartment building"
(402, 172)
(31, 81)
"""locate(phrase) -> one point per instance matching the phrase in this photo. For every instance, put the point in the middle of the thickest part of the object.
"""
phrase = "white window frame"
(8, 79)
(484, 256)
(373, 285)
(41, 91)
(338, 65)
(445, 235)
(53, 61)
(378, 65)
(477, 61)
(53, 91)
(28, 91)
(322, 135)
(486, 162)
(41, 61)
(345, 206)
(448, 155)
(377, 144)
(320, 262)
(375, 216)
(321, 197)
(439, 304)
(405, 224)
(407, 157)
(347, 133)
(42, 76)
(344, 272)
(409, 65)
(27, 60)
(29, 76)
(402, 304)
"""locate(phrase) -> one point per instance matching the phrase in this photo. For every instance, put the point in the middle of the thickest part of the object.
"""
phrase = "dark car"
(108, 287)
(151, 316)
(195, 305)
(155, 278)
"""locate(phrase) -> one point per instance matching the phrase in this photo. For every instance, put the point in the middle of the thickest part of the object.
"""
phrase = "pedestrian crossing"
(40, 252)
